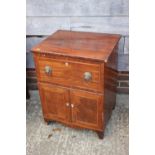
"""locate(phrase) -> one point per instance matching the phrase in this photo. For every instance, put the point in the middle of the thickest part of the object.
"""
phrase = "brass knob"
(67, 104)
(66, 64)
(48, 70)
(87, 76)
(72, 105)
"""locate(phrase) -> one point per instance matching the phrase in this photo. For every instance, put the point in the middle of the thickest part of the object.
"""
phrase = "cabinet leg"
(114, 106)
(47, 121)
(100, 134)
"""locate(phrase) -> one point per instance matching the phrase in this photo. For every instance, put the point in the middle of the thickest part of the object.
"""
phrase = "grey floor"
(56, 139)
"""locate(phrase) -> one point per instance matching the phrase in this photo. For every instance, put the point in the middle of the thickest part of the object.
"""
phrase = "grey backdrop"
(46, 16)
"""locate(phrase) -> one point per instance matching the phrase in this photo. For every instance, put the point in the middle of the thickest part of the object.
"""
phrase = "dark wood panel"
(110, 90)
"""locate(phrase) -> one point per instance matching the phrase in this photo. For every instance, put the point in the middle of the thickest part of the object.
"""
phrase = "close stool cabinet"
(77, 79)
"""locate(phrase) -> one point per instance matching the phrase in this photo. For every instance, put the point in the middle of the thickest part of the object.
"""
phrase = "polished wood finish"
(85, 45)
(69, 72)
(122, 80)
(76, 78)
(87, 109)
(55, 100)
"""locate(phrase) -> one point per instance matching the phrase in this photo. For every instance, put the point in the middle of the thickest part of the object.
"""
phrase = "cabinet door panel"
(87, 109)
(54, 101)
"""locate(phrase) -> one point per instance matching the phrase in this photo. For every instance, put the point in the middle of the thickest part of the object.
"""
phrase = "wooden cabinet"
(76, 78)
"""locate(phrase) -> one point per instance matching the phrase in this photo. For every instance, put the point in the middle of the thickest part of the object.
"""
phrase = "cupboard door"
(55, 102)
(87, 109)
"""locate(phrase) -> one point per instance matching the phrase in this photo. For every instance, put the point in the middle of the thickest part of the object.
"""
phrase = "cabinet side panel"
(35, 57)
(110, 85)
(112, 61)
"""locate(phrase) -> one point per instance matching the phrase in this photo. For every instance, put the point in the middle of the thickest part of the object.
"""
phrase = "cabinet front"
(55, 102)
(87, 109)
(74, 73)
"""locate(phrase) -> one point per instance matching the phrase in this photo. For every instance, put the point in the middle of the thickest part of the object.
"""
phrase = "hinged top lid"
(94, 46)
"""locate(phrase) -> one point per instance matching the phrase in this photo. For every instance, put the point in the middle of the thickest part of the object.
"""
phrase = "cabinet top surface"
(95, 46)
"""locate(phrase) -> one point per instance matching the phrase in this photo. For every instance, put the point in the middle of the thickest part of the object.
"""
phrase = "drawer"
(69, 73)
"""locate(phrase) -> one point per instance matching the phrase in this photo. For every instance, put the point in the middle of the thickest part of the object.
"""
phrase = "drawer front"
(69, 73)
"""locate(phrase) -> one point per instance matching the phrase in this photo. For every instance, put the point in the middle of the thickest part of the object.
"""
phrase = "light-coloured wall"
(106, 16)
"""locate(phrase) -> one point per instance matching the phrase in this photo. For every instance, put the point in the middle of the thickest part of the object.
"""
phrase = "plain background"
(13, 77)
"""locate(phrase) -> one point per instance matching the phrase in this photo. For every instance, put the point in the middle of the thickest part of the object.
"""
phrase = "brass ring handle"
(87, 76)
(48, 70)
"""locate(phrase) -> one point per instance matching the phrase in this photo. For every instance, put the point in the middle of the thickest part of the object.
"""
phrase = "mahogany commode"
(77, 79)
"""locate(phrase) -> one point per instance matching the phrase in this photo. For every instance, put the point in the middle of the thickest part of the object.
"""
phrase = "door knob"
(72, 105)
(66, 64)
(67, 104)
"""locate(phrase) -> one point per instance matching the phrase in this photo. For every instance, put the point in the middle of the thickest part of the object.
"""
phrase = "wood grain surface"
(94, 46)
